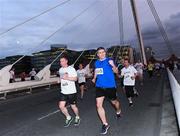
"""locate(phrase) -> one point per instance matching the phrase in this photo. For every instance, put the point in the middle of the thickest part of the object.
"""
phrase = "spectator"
(178, 65)
(12, 75)
(23, 76)
(32, 74)
(171, 66)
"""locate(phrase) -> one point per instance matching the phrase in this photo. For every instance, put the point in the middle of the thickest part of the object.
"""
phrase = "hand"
(65, 76)
(133, 77)
(93, 80)
(115, 69)
(111, 63)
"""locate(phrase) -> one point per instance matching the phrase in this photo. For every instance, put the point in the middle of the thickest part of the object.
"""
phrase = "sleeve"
(73, 73)
(122, 72)
(134, 70)
(77, 71)
(59, 73)
(135, 65)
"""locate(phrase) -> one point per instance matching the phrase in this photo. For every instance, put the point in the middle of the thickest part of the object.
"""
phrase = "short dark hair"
(126, 59)
(64, 57)
(100, 48)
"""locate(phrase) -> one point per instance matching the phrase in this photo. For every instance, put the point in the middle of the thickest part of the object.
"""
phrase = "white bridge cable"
(160, 26)
(58, 56)
(90, 24)
(18, 60)
(79, 57)
(70, 21)
(94, 20)
(34, 17)
(96, 55)
(114, 51)
(61, 28)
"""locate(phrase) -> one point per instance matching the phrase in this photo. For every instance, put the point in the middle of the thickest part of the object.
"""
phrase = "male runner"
(129, 73)
(105, 86)
(139, 67)
(81, 72)
(68, 76)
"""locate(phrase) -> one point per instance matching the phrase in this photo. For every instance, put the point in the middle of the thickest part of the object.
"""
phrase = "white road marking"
(50, 114)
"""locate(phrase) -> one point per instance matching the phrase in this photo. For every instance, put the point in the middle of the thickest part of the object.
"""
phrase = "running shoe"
(118, 115)
(68, 122)
(130, 104)
(104, 129)
(76, 121)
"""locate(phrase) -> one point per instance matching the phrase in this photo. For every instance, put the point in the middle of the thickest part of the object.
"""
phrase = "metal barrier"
(175, 88)
(17, 86)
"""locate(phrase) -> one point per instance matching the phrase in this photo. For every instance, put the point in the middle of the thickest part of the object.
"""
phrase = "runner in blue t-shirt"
(105, 86)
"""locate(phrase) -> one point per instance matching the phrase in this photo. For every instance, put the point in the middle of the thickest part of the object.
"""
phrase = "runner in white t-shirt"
(129, 73)
(68, 76)
(139, 67)
(157, 66)
(81, 73)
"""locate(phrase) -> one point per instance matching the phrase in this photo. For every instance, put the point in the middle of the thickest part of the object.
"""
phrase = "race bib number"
(64, 84)
(127, 76)
(99, 71)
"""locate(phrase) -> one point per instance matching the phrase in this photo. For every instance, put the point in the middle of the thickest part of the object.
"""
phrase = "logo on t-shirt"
(99, 71)
(64, 84)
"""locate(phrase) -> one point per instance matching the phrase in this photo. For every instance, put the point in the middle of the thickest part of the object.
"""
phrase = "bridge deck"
(37, 115)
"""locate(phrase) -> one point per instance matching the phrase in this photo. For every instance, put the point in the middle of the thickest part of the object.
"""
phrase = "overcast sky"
(84, 33)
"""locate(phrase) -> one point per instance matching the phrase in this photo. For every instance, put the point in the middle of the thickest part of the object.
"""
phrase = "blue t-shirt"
(105, 75)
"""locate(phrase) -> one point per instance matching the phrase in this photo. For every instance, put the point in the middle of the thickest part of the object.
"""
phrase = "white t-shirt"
(68, 87)
(162, 65)
(139, 67)
(157, 66)
(32, 73)
(128, 73)
(81, 75)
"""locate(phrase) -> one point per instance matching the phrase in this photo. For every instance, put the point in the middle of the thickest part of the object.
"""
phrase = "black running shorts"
(83, 83)
(109, 93)
(129, 91)
(69, 98)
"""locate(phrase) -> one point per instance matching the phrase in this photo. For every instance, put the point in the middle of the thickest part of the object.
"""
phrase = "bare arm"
(66, 77)
(114, 68)
(94, 78)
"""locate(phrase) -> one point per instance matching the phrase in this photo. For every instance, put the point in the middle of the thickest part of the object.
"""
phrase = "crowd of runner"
(104, 78)
(104, 75)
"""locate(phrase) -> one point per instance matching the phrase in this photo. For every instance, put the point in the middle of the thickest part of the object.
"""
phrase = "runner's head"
(126, 62)
(101, 53)
(64, 61)
(80, 66)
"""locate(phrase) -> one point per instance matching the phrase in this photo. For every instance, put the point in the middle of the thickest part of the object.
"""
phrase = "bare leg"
(75, 109)
(82, 91)
(100, 109)
(64, 109)
(116, 105)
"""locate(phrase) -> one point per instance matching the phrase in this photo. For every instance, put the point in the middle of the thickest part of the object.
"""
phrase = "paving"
(37, 114)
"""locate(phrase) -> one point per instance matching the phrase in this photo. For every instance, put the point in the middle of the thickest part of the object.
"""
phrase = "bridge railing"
(17, 86)
(175, 88)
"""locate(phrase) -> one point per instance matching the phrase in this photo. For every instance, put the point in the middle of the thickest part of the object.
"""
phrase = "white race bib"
(99, 71)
